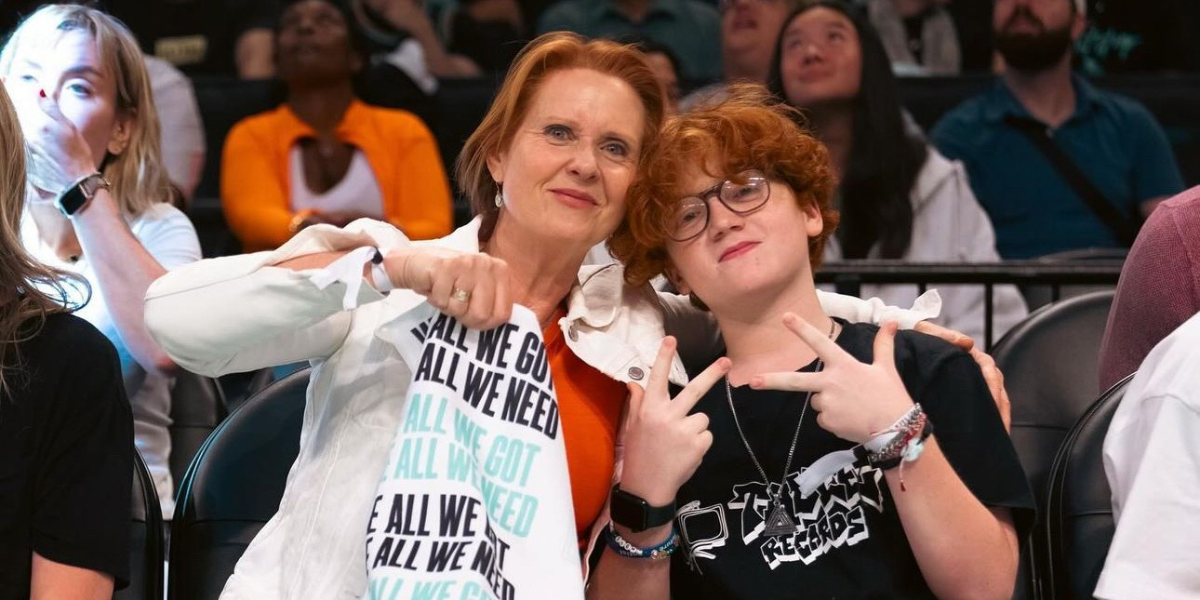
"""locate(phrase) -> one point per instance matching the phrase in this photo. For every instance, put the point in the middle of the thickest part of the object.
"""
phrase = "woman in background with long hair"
(99, 197)
(898, 197)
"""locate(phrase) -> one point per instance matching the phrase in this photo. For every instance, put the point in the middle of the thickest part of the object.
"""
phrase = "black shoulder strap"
(1122, 227)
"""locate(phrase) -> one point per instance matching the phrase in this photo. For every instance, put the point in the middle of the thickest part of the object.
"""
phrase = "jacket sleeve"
(240, 313)
(420, 205)
(255, 202)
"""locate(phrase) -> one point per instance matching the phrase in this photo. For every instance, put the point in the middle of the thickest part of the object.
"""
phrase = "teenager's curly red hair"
(747, 130)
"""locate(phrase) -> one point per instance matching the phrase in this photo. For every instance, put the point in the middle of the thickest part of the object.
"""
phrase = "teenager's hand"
(663, 443)
(469, 286)
(855, 401)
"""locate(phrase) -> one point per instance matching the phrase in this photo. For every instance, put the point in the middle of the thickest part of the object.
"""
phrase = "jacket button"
(573, 334)
(636, 374)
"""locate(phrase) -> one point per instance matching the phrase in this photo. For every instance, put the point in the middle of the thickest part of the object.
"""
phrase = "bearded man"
(1058, 164)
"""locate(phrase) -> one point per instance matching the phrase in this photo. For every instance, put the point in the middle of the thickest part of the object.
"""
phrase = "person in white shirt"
(1152, 461)
(97, 193)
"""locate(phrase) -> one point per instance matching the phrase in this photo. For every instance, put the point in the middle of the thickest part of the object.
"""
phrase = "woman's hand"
(663, 443)
(855, 401)
(956, 338)
(995, 382)
(991, 373)
(471, 287)
(58, 154)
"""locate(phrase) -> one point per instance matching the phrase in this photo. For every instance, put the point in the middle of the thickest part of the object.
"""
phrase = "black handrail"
(850, 275)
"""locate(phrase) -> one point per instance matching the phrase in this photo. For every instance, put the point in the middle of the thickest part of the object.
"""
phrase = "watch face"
(78, 195)
(71, 201)
(628, 510)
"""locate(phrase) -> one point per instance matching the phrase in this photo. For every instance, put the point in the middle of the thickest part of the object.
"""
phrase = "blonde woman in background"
(66, 457)
(98, 192)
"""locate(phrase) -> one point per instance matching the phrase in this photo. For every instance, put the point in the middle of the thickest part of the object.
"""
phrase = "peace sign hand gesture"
(663, 443)
(854, 400)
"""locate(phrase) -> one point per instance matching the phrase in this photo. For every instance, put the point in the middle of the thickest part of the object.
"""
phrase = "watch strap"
(79, 194)
(635, 513)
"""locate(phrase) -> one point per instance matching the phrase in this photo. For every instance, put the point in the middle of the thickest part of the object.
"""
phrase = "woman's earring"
(499, 199)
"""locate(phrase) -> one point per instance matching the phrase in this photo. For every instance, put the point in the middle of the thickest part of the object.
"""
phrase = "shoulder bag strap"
(1121, 226)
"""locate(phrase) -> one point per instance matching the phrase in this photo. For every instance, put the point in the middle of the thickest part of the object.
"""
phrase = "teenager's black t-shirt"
(66, 456)
(849, 542)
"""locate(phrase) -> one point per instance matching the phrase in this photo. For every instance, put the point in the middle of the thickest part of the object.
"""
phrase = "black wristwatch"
(79, 195)
(635, 513)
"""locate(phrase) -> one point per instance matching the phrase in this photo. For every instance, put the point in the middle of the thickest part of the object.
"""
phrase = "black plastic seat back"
(1079, 508)
(234, 487)
(1049, 362)
(1039, 295)
(197, 407)
(146, 545)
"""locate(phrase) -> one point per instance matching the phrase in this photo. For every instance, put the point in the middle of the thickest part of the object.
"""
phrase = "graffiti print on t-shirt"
(833, 516)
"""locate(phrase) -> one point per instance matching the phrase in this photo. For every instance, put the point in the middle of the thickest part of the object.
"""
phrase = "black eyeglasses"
(742, 194)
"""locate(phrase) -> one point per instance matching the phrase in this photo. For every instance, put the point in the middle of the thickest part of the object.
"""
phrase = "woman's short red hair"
(749, 129)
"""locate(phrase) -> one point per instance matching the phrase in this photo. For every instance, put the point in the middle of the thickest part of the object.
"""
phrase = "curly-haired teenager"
(835, 460)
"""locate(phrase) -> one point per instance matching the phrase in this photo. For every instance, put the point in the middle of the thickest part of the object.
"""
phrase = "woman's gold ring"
(460, 294)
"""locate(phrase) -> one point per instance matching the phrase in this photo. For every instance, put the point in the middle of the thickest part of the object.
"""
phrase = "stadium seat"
(197, 407)
(1049, 365)
(1039, 295)
(234, 487)
(462, 104)
(1079, 521)
(146, 542)
(223, 101)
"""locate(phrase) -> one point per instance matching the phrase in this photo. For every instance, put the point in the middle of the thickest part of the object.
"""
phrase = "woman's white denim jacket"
(239, 313)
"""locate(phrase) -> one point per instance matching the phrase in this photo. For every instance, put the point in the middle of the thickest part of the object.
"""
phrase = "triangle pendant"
(779, 523)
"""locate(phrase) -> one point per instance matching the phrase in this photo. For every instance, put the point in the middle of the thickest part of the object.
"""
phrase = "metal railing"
(849, 276)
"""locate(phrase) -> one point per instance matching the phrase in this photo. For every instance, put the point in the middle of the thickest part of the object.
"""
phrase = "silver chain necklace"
(779, 522)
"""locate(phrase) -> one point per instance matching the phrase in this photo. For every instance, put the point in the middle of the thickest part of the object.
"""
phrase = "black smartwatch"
(79, 195)
(635, 513)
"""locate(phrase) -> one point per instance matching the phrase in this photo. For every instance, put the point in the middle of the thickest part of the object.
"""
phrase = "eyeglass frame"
(715, 190)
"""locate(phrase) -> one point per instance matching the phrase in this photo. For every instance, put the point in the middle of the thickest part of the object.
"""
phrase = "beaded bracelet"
(625, 548)
(910, 432)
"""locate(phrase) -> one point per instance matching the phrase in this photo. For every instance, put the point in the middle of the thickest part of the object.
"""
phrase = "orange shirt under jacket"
(590, 405)
(256, 182)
